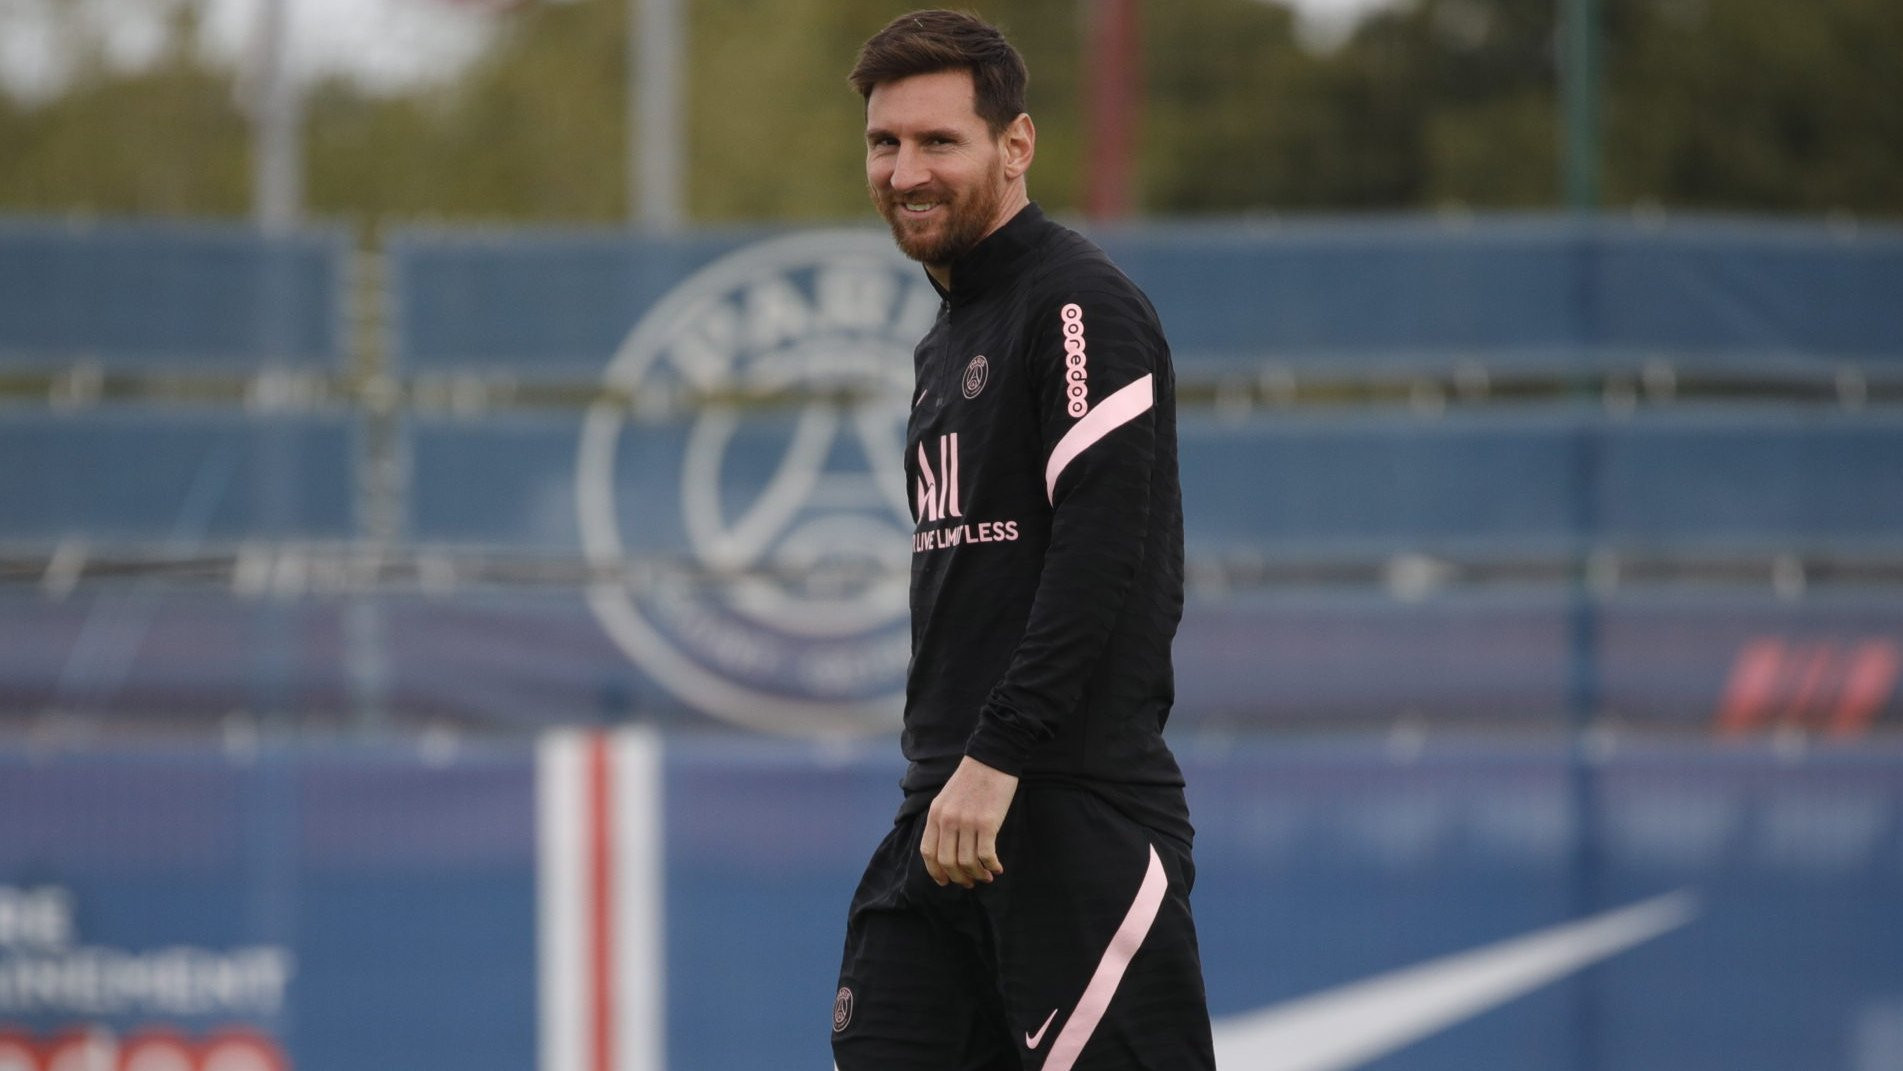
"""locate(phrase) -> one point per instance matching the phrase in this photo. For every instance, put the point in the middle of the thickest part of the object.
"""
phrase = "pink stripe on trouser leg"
(1116, 959)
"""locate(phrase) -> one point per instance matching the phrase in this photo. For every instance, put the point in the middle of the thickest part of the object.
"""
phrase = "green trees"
(166, 141)
(1747, 105)
(1758, 106)
(1735, 105)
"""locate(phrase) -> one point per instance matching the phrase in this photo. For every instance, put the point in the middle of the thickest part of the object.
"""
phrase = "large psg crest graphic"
(754, 544)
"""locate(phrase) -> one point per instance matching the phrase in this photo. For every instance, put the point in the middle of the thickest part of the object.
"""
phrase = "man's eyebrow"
(876, 133)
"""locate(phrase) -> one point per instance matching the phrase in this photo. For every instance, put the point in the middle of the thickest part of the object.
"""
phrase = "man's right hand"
(961, 829)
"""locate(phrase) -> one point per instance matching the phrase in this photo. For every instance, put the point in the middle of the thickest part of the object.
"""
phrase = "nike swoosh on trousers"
(1031, 1041)
(1346, 1027)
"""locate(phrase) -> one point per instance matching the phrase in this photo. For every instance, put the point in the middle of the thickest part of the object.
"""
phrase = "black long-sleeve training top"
(1047, 564)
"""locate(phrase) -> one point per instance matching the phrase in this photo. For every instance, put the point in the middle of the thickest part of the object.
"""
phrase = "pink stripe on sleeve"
(1111, 413)
(1116, 959)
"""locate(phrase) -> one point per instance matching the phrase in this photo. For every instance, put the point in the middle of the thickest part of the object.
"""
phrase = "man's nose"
(909, 170)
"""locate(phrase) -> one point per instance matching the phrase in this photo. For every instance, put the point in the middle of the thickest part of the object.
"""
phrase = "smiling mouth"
(915, 208)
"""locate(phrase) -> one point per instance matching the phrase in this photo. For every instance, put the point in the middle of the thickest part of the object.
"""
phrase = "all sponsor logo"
(935, 496)
(753, 555)
(936, 501)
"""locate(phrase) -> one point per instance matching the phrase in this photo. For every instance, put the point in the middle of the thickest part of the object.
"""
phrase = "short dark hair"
(926, 42)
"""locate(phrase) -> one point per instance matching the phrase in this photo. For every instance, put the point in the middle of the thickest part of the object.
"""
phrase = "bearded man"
(1030, 908)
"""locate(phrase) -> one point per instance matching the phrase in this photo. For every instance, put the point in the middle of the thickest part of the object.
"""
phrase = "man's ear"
(1019, 145)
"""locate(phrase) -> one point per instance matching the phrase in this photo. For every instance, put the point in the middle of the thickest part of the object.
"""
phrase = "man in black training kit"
(1030, 908)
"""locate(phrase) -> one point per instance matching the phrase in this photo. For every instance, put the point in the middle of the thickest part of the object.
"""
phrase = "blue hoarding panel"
(1736, 661)
(170, 657)
(1528, 482)
(1369, 296)
(1763, 294)
(1769, 883)
(356, 910)
(743, 821)
(510, 482)
(1752, 477)
(1401, 294)
(1627, 906)
(1353, 484)
(148, 297)
(1542, 480)
(541, 306)
(179, 479)
(1321, 661)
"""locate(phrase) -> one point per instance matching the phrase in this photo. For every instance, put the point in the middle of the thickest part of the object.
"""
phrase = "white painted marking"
(640, 924)
(561, 905)
(1346, 1027)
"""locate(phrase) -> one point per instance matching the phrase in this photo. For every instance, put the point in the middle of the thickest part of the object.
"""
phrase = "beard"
(962, 223)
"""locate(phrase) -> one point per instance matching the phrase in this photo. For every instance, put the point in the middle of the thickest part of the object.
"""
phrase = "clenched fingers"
(928, 850)
(959, 851)
(960, 841)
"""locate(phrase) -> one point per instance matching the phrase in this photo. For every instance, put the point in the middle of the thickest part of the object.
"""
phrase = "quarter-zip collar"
(992, 258)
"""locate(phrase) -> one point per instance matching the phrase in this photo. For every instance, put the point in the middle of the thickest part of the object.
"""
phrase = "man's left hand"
(961, 829)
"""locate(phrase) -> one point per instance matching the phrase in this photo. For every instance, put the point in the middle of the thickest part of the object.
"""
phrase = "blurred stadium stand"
(1539, 567)
(1519, 472)
(1732, 299)
(150, 298)
(540, 308)
(176, 479)
(399, 892)
(1493, 524)
(1698, 480)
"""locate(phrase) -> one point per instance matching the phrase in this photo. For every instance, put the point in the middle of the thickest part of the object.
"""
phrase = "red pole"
(1113, 87)
(601, 887)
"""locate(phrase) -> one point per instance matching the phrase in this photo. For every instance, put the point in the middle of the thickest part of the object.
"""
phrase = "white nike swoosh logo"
(1348, 1026)
(1031, 1040)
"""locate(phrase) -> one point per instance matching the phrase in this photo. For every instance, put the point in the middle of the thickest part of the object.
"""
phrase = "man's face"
(935, 171)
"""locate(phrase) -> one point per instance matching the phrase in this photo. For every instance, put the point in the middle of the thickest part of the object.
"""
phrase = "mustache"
(896, 197)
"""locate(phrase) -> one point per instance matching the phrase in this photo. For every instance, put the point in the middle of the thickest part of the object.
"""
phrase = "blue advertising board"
(1388, 904)
(340, 910)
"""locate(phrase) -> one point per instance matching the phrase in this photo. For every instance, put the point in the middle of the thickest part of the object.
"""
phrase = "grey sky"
(390, 44)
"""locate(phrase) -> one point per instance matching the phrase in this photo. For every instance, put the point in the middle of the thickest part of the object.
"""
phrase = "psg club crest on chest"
(976, 373)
